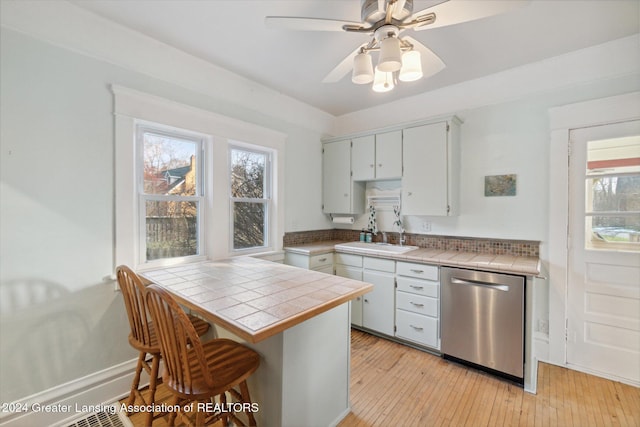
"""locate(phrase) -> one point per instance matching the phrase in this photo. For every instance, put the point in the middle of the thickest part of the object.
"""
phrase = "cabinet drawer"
(418, 328)
(320, 260)
(417, 303)
(417, 286)
(348, 259)
(421, 271)
(379, 264)
(349, 272)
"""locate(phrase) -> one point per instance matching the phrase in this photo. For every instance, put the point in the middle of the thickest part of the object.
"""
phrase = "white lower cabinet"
(350, 266)
(418, 304)
(377, 307)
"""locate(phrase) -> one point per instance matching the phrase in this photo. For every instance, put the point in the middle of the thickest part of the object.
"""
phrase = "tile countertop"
(254, 298)
(512, 264)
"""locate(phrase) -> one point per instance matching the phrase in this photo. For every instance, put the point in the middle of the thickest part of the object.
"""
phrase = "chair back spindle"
(177, 337)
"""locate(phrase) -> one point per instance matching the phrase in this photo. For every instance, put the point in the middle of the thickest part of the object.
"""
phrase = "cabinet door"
(363, 160)
(389, 155)
(336, 177)
(355, 273)
(425, 178)
(379, 304)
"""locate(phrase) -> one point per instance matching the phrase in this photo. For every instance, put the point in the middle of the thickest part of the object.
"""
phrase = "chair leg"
(153, 380)
(136, 379)
(244, 392)
(224, 415)
(173, 414)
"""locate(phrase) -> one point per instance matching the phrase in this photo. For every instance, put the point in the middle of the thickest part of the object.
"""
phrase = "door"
(603, 300)
(389, 155)
(424, 180)
(336, 177)
(363, 158)
(354, 273)
(379, 304)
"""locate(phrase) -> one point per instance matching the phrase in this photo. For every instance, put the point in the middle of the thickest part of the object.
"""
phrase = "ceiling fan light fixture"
(390, 59)
(362, 69)
(411, 66)
(383, 81)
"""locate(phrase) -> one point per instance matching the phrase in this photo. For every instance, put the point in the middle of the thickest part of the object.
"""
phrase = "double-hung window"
(250, 197)
(170, 194)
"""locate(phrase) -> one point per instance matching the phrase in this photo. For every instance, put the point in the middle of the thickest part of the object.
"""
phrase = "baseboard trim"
(66, 401)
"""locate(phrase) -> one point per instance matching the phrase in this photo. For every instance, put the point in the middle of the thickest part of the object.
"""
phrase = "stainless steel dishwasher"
(483, 320)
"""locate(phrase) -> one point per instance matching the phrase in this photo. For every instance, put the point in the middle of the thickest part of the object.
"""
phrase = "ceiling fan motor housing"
(370, 12)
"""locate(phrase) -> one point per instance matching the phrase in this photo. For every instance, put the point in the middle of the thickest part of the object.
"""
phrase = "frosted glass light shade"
(362, 69)
(382, 82)
(390, 55)
(411, 66)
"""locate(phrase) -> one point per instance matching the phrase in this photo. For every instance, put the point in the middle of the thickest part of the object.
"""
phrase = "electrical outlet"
(426, 226)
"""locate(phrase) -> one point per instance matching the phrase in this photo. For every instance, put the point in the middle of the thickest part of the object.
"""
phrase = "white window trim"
(132, 107)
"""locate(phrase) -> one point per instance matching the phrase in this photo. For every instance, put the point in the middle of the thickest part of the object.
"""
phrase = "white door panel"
(603, 301)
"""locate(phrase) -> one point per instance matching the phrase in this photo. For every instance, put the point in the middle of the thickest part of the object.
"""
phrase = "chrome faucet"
(384, 237)
(401, 240)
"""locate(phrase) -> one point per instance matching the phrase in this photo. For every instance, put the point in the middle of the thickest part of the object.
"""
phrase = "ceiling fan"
(399, 57)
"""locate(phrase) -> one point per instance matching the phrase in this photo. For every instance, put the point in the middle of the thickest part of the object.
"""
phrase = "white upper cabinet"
(377, 156)
(431, 169)
(339, 193)
(363, 160)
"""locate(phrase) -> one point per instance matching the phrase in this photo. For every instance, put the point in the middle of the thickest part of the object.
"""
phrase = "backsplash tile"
(445, 243)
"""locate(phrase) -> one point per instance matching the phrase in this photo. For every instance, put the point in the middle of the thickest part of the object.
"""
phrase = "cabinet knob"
(346, 194)
(366, 300)
(371, 165)
(379, 165)
(409, 193)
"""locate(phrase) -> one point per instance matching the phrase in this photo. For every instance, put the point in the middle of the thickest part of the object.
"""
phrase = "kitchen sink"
(375, 248)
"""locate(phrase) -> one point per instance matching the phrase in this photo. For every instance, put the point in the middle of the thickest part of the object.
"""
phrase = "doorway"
(603, 294)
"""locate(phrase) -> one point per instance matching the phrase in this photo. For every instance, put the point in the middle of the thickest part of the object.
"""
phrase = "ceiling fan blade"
(457, 11)
(398, 8)
(431, 63)
(342, 69)
(307, 24)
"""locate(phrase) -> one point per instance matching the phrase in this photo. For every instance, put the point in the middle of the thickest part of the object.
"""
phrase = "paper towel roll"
(343, 220)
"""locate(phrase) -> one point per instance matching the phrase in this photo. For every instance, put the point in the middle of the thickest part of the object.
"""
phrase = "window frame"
(141, 128)
(266, 200)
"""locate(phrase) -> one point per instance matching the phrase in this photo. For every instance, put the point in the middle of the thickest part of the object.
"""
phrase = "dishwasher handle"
(503, 288)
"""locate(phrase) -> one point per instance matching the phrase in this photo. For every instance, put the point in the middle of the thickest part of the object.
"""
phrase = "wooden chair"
(143, 336)
(198, 372)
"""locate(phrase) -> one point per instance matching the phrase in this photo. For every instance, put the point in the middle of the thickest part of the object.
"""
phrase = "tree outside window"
(170, 195)
(250, 197)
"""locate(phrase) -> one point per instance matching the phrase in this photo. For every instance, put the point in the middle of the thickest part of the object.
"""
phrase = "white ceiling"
(232, 34)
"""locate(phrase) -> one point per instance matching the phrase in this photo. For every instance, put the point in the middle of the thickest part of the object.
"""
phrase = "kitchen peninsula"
(298, 320)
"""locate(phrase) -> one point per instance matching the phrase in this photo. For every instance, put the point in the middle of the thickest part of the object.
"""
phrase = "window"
(191, 215)
(250, 188)
(613, 194)
(170, 194)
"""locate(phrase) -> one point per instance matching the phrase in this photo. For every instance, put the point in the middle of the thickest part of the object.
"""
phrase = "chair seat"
(229, 363)
(199, 325)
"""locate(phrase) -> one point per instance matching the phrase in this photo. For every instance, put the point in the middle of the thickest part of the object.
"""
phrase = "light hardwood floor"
(395, 385)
